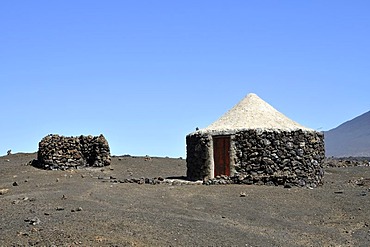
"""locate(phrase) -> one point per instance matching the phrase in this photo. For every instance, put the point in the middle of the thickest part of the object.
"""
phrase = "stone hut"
(253, 143)
(59, 152)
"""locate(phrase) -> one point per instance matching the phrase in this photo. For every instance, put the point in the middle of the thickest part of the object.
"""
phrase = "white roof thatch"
(254, 113)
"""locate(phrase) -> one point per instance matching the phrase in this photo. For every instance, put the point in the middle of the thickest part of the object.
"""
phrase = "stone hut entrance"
(221, 155)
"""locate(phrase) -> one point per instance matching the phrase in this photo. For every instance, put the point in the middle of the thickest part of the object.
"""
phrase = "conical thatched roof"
(254, 113)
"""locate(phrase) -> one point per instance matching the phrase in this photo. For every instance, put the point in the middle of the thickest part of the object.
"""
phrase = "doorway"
(221, 155)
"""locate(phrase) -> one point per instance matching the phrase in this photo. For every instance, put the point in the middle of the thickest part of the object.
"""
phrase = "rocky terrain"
(101, 207)
(347, 161)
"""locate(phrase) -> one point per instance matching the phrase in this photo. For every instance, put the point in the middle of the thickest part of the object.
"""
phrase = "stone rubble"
(346, 162)
(33, 221)
(151, 181)
(3, 191)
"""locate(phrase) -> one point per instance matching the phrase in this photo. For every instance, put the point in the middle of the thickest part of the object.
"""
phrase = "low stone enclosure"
(255, 144)
(59, 152)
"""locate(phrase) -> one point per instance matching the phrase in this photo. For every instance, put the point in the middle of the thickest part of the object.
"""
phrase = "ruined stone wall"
(59, 152)
(280, 158)
(197, 156)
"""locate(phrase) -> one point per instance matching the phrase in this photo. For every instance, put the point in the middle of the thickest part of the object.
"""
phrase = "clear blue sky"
(146, 73)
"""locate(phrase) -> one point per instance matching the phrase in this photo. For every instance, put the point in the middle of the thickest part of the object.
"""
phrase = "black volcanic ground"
(90, 208)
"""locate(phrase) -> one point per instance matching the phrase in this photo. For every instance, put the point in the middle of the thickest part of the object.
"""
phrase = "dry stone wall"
(59, 152)
(279, 157)
(197, 158)
(290, 158)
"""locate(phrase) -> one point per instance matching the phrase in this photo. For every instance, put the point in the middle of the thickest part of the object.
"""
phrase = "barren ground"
(86, 208)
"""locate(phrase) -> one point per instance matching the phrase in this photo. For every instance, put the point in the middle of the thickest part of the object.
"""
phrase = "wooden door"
(221, 155)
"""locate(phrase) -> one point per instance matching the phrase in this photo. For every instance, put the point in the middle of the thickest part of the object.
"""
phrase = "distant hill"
(351, 138)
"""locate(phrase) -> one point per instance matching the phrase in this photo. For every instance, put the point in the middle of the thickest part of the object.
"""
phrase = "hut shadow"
(36, 164)
(179, 178)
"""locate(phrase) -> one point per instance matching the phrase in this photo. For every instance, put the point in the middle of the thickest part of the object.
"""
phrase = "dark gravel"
(76, 208)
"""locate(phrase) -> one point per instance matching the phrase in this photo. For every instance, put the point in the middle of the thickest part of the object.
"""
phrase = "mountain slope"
(351, 138)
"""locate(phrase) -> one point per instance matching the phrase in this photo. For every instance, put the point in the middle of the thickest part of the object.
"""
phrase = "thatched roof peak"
(254, 113)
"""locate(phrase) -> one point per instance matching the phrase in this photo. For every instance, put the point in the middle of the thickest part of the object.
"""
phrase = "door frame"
(229, 158)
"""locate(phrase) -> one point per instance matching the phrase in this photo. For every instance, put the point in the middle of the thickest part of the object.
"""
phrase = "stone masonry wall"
(197, 158)
(280, 158)
(59, 152)
(263, 157)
